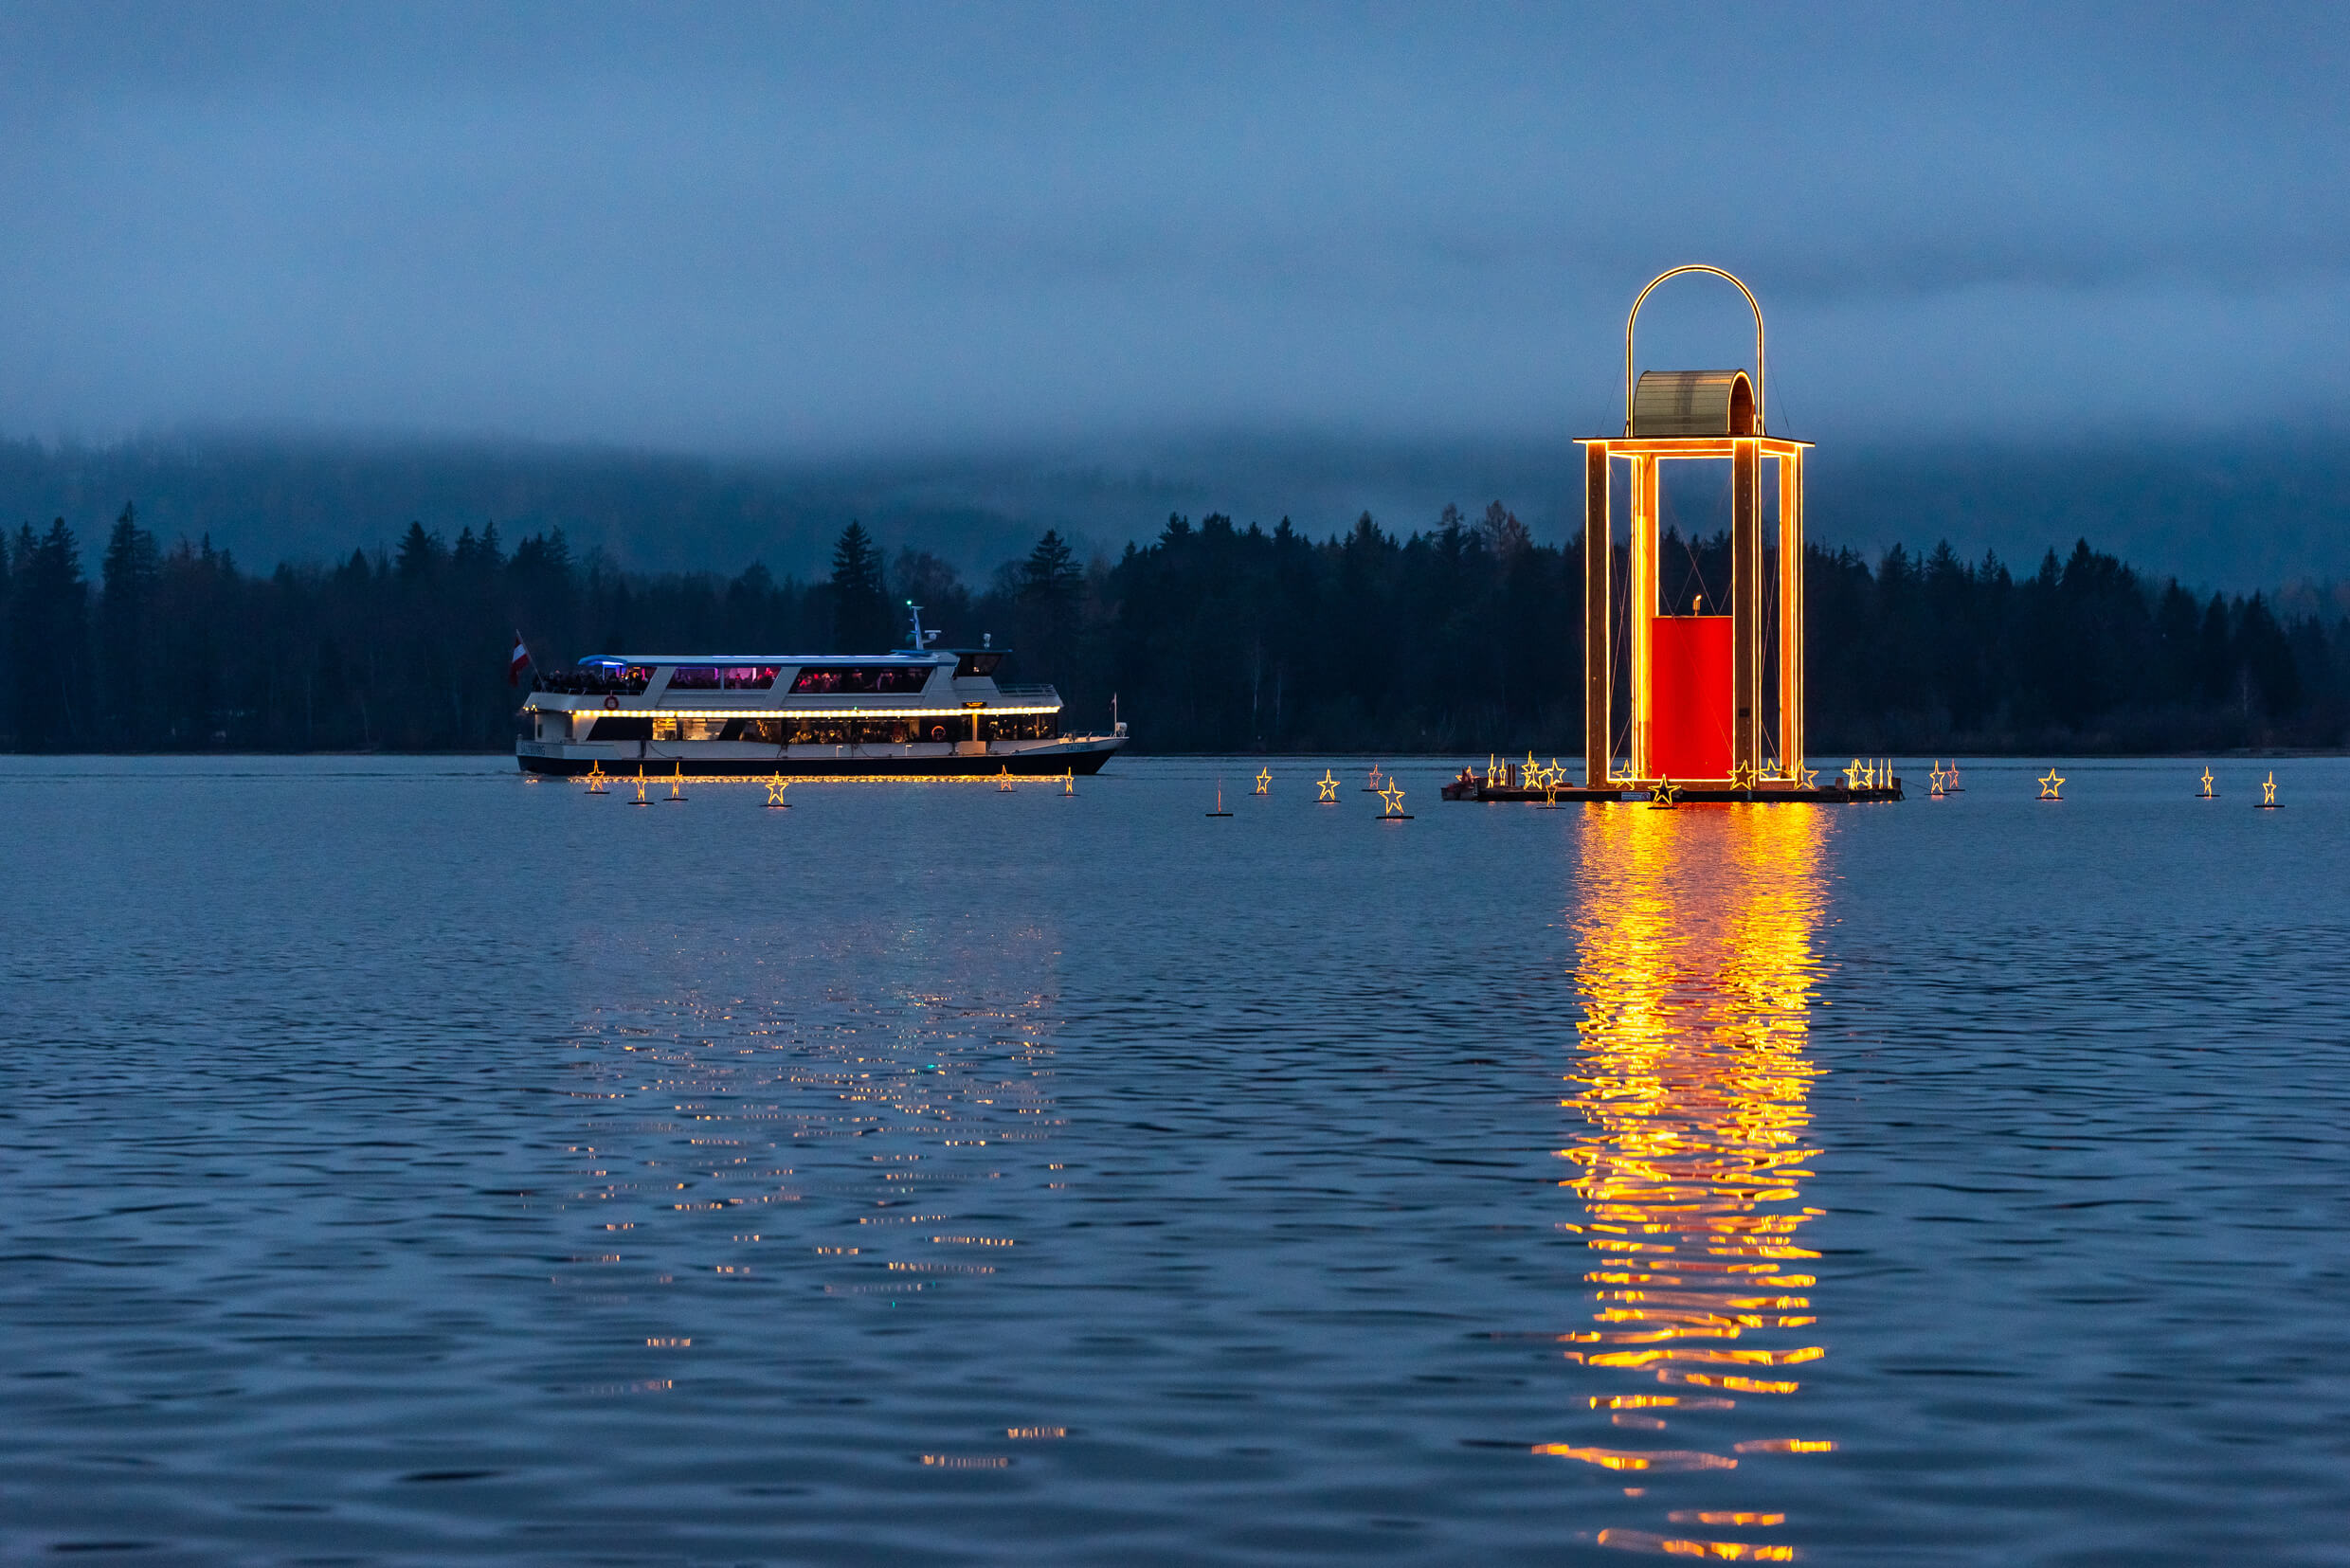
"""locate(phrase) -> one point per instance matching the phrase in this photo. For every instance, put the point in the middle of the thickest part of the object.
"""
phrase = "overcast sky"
(866, 228)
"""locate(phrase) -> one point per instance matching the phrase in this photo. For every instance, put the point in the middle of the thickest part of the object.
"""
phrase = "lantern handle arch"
(1630, 322)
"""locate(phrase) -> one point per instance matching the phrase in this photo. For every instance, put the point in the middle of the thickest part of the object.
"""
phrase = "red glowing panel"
(1689, 731)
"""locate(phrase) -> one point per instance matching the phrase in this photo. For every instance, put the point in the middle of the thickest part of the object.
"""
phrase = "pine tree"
(861, 609)
(127, 654)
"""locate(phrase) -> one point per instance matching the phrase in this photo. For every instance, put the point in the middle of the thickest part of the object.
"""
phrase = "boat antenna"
(921, 639)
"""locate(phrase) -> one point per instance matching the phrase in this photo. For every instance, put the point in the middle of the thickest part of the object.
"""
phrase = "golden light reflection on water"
(1696, 974)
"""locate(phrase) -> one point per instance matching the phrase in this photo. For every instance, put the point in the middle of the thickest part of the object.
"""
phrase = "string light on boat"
(1024, 710)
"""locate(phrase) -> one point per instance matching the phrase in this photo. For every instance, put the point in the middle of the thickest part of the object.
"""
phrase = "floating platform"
(1470, 787)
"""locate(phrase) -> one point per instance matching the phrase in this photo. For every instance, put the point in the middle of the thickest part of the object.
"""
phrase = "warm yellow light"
(2206, 791)
(1327, 784)
(1393, 795)
(2052, 785)
(1264, 781)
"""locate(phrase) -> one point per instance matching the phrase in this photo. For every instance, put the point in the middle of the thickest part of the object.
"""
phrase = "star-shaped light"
(2050, 785)
(1743, 776)
(595, 778)
(1393, 795)
(1807, 777)
(1327, 784)
(775, 787)
(1938, 778)
(2268, 790)
(2207, 783)
(1852, 774)
(1264, 778)
(639, 785)
(1665, 792)
(1069, 782)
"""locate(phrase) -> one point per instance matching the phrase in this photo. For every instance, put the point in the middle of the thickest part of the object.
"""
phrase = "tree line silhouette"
(1465, 637)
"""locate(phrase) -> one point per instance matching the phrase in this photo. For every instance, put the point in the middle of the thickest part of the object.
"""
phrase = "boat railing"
(1031, 690)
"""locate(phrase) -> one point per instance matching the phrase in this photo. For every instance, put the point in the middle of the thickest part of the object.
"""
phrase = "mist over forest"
(2239, 516)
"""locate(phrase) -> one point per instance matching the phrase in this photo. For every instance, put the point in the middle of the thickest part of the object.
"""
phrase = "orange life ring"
(938, 732)
(611, 702)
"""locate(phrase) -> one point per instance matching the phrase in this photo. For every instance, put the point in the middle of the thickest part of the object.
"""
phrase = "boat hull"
(1083, 755)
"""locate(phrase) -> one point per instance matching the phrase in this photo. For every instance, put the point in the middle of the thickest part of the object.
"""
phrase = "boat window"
(694, 678)
(688, 729)
(1020, 727)
(822, 679)
(597, 676)
(977, 664)
(618, 730)
(747, 677)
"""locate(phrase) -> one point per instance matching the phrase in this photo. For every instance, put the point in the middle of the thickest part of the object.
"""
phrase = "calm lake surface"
(406, 1164)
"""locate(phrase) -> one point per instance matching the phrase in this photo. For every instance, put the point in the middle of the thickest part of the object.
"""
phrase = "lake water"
(406, 1164)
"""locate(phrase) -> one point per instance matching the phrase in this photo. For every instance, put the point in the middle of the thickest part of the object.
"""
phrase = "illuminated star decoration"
(1327, 784)
(1867, 775)
(775, 790)
(2268, 790)
(1742, 776)
(1938, 778)
(1808, 776)
(1264, 778)
(1003, 778)
(1665, 793)
(1393, 795)
(2050, 785)
(1852, 774)
(639, 786)
(2207, 783)
(595, 778)
(1069, 782)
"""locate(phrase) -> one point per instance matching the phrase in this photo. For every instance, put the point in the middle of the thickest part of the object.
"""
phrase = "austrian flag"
(513, 666)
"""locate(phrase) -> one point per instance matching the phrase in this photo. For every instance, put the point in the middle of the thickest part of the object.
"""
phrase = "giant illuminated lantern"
(1698, 714)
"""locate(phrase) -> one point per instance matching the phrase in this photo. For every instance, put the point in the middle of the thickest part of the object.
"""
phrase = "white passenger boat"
(919, 712)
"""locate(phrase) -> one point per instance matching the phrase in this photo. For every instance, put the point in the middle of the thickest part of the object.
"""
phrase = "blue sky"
(820, 231)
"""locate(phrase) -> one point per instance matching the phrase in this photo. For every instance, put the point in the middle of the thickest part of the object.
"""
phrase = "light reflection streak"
(1697, 970)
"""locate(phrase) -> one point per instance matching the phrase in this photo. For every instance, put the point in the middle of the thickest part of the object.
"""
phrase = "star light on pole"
(2268, 790)
(2207, 792)
(1393, 795)
(2051, 786)
(1327, 784)
(1264, 781)
(595, 778)
(775, 787)
(1937, 779)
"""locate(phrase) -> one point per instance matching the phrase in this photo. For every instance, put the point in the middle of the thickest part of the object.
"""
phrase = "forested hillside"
(1465, 637)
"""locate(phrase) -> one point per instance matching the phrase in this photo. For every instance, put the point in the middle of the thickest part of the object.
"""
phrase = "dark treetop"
(1464, 637)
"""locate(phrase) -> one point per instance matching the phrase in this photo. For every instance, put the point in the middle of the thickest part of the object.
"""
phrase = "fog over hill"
(2235, 514)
